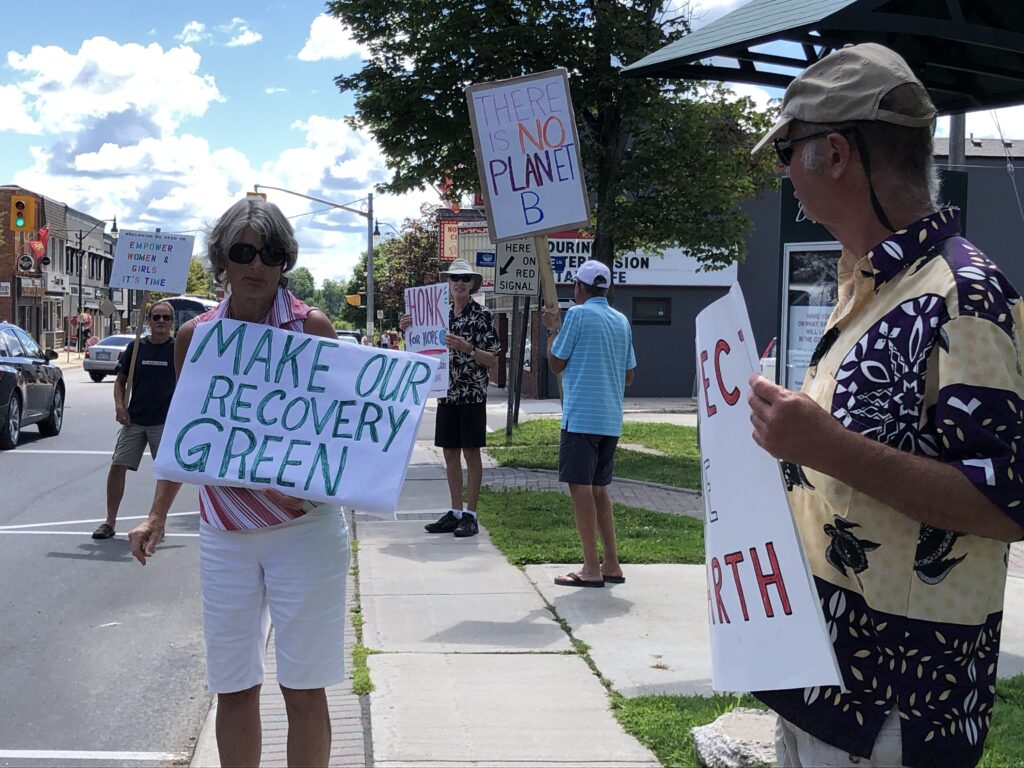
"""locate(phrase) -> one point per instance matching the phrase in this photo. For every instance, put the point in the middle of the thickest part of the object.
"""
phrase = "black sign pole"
(509, 377)
(521, 359)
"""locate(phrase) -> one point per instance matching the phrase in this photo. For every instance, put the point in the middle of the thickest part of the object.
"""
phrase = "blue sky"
(163, 114)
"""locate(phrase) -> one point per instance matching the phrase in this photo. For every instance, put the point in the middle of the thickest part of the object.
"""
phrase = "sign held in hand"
(767, 629)
(152, 261)
(259, 407)
(428, 306)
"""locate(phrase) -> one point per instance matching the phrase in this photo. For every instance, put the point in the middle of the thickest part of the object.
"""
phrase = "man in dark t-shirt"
(142, 419)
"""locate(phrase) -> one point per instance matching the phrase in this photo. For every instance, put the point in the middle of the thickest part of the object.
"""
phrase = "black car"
(31, 387)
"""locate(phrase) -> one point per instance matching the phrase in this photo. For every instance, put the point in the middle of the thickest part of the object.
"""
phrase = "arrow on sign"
(504, 269)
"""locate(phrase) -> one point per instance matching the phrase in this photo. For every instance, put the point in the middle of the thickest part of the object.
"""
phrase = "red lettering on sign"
(712, 410)
(733, 395)
(716, 578)
(774, 577)
(733, 559)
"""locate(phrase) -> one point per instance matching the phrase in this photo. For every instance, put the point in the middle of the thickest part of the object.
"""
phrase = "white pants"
(795, 748)
(292, 575)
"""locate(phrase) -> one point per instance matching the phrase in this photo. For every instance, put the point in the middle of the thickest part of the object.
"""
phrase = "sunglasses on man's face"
(784, 147)
(243, 253)
(460, 278)
(162, 318)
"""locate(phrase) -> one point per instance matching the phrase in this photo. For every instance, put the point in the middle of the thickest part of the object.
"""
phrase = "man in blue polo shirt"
(594, 352)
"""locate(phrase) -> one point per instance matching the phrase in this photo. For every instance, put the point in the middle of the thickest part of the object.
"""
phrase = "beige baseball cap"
(848, 85)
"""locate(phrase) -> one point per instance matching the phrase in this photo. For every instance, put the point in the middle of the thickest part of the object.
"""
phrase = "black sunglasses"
(243, 253)
(784, 147)
(165, 318)
(461, 278)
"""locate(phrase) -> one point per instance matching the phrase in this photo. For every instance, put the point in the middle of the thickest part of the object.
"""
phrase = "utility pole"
(368, 215)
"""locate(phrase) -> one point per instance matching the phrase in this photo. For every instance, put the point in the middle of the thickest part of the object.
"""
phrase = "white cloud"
(330, 39)
(14, 115)
(241, 34)
(760, 96)
(984, 125)
(65, 92)
(193, 32)
(274, 89)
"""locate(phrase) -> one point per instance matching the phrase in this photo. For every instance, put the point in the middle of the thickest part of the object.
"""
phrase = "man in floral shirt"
(904, 453)
(461, 426)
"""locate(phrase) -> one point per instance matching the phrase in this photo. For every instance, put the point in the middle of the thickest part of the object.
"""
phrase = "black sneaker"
(467, 526)
(444, 524)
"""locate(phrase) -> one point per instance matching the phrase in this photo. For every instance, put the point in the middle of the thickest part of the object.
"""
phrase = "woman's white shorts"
(292, 575)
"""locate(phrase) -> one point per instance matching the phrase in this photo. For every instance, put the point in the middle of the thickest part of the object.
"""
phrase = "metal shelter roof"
(968, 53)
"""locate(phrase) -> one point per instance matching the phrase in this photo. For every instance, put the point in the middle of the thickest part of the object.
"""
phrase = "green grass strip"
(534, 445)
(531, 527)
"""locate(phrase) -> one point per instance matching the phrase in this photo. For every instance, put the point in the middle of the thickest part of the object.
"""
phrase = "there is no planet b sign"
(527, 155)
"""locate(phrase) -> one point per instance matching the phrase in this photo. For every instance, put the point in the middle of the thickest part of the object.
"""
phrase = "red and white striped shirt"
(236, 509)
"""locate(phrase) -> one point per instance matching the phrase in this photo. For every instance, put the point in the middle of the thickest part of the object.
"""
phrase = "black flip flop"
(103, 532)
(614, 579)
(574, 580)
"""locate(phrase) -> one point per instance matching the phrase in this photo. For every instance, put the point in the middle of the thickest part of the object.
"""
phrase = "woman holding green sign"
(263, 554)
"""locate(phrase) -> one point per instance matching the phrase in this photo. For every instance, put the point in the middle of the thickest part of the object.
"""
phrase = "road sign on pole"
(515, 268)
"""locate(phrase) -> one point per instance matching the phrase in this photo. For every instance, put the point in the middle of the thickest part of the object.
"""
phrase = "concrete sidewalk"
(470, 665)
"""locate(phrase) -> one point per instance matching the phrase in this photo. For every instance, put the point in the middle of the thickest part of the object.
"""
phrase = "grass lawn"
(1004, 746)
(532, 527)
(534, 445)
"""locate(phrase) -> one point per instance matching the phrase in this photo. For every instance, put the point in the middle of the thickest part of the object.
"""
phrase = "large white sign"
(515, 268)
(258, 407)
(527, 155)
(152, 261)
(428, 306)
(767, 629)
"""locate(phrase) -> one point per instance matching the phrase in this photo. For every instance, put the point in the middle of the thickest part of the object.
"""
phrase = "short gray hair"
(265, 219)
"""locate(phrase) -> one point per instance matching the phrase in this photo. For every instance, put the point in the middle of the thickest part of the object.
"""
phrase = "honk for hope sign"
(767, 629)
(527, 155)
(258, 407)
(428, 306)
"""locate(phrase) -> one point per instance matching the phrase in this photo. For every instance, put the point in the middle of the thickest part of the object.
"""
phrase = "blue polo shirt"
(598, 344)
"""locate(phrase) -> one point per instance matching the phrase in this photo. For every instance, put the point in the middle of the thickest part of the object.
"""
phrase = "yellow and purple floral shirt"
(922, 353)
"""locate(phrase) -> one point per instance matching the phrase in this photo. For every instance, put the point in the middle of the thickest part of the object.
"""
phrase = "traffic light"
(23, 213)
(355, 299)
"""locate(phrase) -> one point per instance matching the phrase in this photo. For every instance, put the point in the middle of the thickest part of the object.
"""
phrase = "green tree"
(666, 163)
(301, 283)
(398, 263)
(199, 283)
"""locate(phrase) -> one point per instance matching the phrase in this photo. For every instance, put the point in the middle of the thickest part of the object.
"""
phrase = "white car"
(101, 359)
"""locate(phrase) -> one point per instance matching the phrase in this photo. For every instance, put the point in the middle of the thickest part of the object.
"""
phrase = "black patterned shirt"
(922, 354)
(467, 379)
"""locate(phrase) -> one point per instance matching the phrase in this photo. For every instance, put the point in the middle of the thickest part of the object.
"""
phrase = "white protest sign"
(428, 305)
(259, 407)
(767, 629)
(152, 261)
(527, 155)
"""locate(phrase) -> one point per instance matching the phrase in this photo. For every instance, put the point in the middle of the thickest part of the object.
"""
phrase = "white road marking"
(89, 533)
(92, 520)
(20, 451)
(68, 754)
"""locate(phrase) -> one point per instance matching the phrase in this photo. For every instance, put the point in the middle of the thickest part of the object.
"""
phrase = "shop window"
(652, 311)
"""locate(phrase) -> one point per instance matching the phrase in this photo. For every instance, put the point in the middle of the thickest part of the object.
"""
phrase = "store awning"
(968, 53)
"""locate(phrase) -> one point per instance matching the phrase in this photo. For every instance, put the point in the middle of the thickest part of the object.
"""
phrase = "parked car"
(101, 359)
(348, 336)
(31, 387)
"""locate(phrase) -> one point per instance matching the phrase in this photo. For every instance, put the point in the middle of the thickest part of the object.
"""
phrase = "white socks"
(457, 513)
(460, 512)
(470, 512)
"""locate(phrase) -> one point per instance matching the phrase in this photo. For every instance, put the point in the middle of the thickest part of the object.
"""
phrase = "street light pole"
(368, 215)
(81, 238)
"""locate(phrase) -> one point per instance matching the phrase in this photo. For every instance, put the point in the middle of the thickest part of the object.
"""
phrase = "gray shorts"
(131, 444)
(586, 459)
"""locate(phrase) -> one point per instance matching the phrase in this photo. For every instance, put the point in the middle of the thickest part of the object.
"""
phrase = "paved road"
(102, 659)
